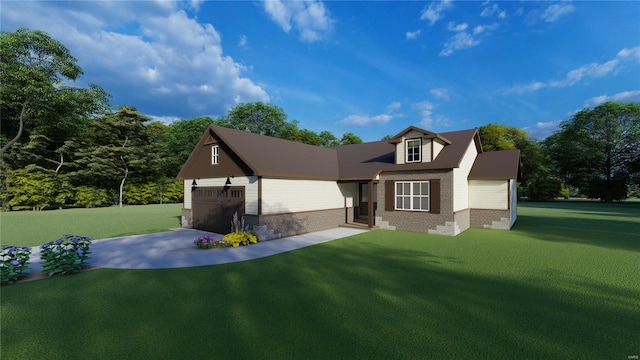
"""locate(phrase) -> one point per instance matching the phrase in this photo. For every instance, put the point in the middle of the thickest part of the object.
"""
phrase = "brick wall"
(301, 222)
(481, 218)
(418, 221)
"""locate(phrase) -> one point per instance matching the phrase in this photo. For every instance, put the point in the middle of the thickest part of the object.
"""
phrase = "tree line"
(63, 146)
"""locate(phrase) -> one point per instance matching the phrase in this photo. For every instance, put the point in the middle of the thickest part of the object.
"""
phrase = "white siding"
(250, 184)
(460, 182)
(489, 194)
(437, 147)
(426, 150)
(400, 152)
(514, 200)
(285, 196)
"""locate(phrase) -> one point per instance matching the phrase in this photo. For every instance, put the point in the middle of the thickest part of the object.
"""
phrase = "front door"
(363, 201)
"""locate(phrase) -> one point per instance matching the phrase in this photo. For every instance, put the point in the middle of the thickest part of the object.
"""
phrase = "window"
(413, 195)
(413, 150)
(214, 155)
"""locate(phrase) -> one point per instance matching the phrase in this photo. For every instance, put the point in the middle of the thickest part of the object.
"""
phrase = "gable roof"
(496, 165)
(272, 157)
(426, 135)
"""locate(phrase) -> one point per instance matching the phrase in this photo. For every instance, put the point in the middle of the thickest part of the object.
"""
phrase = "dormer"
(415, 145)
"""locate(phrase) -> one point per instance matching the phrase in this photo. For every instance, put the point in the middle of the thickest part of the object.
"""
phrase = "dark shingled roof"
(272, 157)
(496, 165)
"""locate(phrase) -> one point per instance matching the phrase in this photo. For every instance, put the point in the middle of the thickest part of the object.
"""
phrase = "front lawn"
(34, 228)
(563, 284)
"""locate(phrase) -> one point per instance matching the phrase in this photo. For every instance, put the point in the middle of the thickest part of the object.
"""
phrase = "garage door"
(213, 207)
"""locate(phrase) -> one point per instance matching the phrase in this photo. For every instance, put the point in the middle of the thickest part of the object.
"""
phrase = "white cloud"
(521, 89)
(542, 129)
(426, 113)
(361, 120)
(440, 93)
(554, 12)
(393, 106)
(434, 11)
(633, 53)
(633, 95)
(243, 41)
(410, 35)
(427, 118)
(592, 70)
(457, 28)
(309, 17)
(365, 120)
(493, 10)
(459, 41)
(169, 64)
(484, 28)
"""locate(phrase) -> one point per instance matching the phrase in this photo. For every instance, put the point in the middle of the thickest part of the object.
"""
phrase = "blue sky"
(372, 68)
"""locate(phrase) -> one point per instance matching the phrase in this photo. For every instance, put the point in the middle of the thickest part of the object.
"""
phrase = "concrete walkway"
(175, 249)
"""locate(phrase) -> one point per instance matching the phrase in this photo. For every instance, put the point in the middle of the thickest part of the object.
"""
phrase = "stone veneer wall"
(419, 221)
(186, 218)
(300, 223)
(463, 219)
(492, 219)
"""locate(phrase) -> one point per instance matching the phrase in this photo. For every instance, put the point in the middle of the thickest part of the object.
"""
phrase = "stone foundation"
(491, 219)
(186, 218)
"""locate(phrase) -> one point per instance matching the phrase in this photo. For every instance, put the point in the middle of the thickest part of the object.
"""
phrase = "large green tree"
(34, 72)
(597, 150)
(118, 147)
(260, 118)
(505, 137)
(178, 142)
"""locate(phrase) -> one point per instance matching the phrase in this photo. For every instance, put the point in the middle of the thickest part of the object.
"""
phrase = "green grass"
(563, 284)
(33, 228)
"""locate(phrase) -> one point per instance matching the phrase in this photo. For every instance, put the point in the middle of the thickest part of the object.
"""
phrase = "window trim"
(215, 155)
(411, 195)
(418, 155)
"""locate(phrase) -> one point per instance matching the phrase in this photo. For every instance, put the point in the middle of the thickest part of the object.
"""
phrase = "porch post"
(371, 199)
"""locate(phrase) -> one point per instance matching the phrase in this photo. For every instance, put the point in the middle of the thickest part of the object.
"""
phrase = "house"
(417, 181)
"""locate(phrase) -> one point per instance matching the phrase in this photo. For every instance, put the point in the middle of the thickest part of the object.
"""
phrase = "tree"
(117, 147)
(350, 138)
(33, 71)
(496, 137)
(597, 147)
(178, 143)
(260, 118)
(328, 139)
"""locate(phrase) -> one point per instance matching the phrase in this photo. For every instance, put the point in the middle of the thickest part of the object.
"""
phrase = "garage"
(213, 207)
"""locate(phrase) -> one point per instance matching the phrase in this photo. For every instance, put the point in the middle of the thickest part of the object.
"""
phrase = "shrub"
(13, 262)
(65, 254)
(240, 238)
(208, 242)
(544, 189)
(89, 196)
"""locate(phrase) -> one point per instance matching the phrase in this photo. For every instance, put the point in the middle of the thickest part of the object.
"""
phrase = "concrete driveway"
(175, 249)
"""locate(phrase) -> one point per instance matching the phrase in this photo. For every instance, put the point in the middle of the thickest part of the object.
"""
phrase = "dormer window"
(413, 147)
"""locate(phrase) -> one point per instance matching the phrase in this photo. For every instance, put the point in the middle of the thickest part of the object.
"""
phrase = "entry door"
(364, 199)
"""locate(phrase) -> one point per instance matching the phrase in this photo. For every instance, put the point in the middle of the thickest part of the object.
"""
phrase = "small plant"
(237, 225)
(208, 242)
(65, 254)
(241, 238)
(14, 261)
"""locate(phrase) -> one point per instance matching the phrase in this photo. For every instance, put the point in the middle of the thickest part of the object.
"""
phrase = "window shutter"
(434, 195)
(389, 195)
